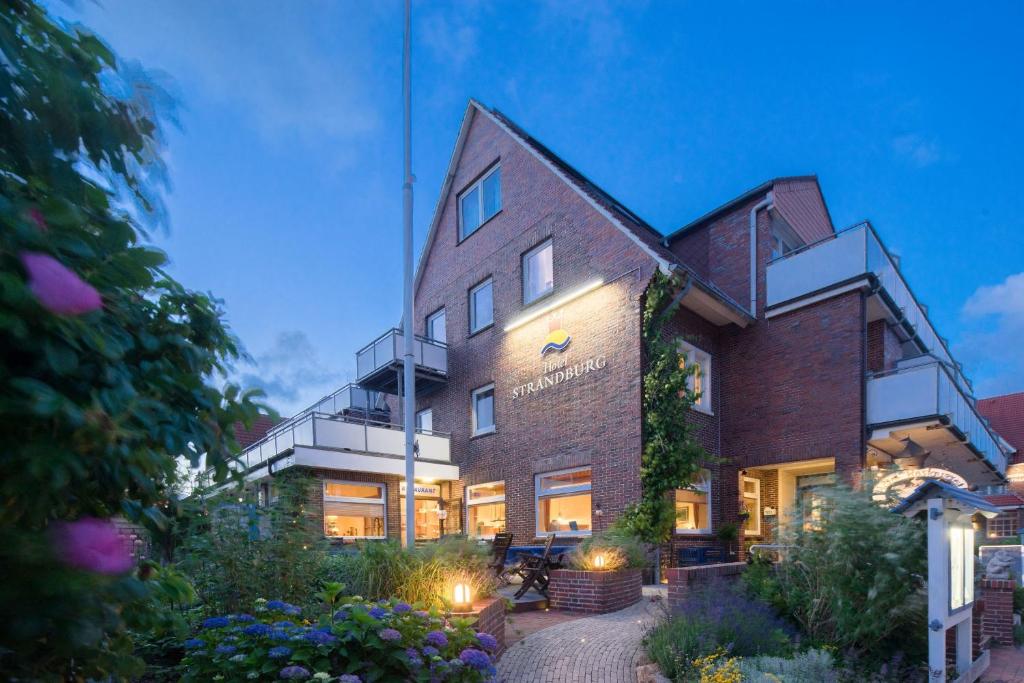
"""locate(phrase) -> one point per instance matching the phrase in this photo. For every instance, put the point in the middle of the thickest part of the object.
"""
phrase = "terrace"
(379, 364)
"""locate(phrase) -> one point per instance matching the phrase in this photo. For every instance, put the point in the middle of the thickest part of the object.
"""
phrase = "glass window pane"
(492, 194)
(483, 409)
(486, 520)
(538, 273)
(436, 327)
(562, 480)
(353, 520)
(353, 490)
(487, 490)
(691, 510)
(425, 420)
(481, 307)
(564, 514)
(470, 212)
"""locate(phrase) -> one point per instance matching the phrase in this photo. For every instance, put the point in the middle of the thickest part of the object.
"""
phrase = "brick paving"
(603, 648)
(1006, 666)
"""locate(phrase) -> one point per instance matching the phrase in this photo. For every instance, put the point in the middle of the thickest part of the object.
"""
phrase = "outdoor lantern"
(599, 561)
(463, 596)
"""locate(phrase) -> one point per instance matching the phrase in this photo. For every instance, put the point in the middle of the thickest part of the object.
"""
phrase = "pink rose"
(92, 544)
(59, 289)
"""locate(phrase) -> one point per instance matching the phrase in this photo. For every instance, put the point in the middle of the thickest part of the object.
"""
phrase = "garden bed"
(490, 618)
(594, 592)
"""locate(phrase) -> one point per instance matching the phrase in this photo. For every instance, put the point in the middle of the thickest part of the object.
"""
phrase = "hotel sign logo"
(558, 339)
(558, 370)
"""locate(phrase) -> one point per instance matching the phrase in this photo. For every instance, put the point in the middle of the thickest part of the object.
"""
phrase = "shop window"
(693, 507)
(752, 504)
(354, 509)
(485, 509)
(700, 381)
(538, 272)
(483, 410)
(479, 202)
(481, 306)
(563, 502)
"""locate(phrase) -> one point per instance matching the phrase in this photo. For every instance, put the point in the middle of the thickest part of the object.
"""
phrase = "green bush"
(855, 581)
(427, 574)
(813, 666)
(620, 549)
(1018, 598)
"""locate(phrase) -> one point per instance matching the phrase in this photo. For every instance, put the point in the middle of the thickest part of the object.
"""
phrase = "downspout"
(766, 203)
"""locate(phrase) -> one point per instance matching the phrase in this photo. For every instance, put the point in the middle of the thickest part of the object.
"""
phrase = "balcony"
(922, 402)
(851, 259)
(341, 442)
(351, 399)
(379, 363)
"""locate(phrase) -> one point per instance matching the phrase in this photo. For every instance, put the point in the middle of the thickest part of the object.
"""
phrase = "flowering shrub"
(360, 641)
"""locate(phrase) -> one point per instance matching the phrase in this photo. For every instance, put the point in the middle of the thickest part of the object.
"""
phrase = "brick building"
(815, 363)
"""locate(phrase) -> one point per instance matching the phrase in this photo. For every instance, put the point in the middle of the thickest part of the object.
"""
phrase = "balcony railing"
(350, 397)
(928, 390)
(320, 430)
(850, 254)
(376, 361)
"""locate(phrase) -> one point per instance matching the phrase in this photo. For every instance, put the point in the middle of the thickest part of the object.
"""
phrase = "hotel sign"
(902, 483)
(559, 370)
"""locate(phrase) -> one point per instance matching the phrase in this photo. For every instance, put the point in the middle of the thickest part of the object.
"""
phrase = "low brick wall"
(682, 580)
(998, 620)
(594, 592)
(490, 618)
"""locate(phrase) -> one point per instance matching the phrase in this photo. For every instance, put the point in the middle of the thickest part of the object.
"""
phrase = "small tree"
(106, 363)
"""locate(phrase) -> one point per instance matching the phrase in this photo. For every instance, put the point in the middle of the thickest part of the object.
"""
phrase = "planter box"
(490, 618)
(594, 592)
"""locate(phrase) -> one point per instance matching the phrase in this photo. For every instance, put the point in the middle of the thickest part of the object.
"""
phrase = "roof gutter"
(766, 203)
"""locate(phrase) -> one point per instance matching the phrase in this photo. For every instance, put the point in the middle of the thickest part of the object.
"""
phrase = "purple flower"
(92, 544)
(284, 624)
(193, 643)
(217, 622)
(59, 289)
(402, 607)
(478, 659)
(431, 651)
(277, 604)
(415, 661)
(244, 618)
(489, 642)
(341, 615)
(278, 634)
(320, 638)
(390, 634)
(279, 652)
(225, 649)
(349, 678)
(260, 630)
(294, 672)
(292, 610)
(378, 612)
(436, 638)
(422, 614)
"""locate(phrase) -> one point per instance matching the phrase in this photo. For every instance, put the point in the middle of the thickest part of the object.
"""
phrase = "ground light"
(599, 561)
(462, 597)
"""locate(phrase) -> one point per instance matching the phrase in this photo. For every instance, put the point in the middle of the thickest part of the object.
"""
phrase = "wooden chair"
(499, 553)
(536, 570)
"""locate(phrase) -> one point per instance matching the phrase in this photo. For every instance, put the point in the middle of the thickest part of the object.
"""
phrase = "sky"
(286, 171)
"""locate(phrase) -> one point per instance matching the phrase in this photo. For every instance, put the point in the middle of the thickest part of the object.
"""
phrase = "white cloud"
(291, 373)
(994, 330)
(917, 150)
(451, 40)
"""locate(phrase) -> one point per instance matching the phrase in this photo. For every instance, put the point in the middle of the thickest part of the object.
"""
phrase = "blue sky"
(286, 172)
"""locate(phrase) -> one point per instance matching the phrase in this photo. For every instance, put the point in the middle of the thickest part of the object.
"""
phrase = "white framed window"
(354, 509)
(436, 326)
(752, 502)
(425, 420)
(482, 402)
(562, 501)
(485, 509)
(479, 202)
(538, 272)
(700, 381)
(481, 306)
(693, 507)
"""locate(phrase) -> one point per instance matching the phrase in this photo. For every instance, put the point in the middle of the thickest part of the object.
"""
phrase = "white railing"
(388, 348)
(928, 390)
(848, 255)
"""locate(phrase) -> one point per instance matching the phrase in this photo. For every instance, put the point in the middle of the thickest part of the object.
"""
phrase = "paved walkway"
(595, 649)
(1007, 666)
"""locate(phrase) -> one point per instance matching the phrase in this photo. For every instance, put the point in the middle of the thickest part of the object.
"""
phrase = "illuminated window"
(563, 502)
(700, 381)
(354, 509)
(1004, 525)
(479, 202)
(809, 497)
(538, 272)
(481, 306)
(436, 326)
(485, 509)
(483, 410)
(693, 507)
(961, 564)
(752, 503)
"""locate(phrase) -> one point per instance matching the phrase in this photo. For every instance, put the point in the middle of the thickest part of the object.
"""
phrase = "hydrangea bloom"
(238, 658)
(92, 544)
(436, 638)
(193, 643)
(59, 289)
(390, 635)
(478, 659)
(283, 624)
(430, 651)
(422, 613)
(279, 652)
(225, 649)
(244, 618)
(489, 642)
(378, 612)
(276, 604)
(349, 678)
(294, 672)
(319, 637)
(402, 607)
(278, 634)
(341, 615)
(216, 622)
(415, 661)
(261, 630)
(292, 610)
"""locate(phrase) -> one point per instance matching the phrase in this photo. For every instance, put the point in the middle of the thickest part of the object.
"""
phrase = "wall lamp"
(561, 301)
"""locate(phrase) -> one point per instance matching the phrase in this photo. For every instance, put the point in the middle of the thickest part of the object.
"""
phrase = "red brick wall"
(590, 420)
(393, 508)
(883, 347)
(490, 618)
(594, 592)
(683, 580)
(998, 621)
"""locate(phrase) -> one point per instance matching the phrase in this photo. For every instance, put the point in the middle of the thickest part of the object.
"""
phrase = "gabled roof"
(1005, 500)
(933, 488)
(635, 228)
(1006, 416)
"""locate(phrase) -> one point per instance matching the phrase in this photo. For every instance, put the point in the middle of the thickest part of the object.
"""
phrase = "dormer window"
(479, 202)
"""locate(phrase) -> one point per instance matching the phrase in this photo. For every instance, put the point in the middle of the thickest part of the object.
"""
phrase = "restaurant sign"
(421, 490)
(902, 483)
